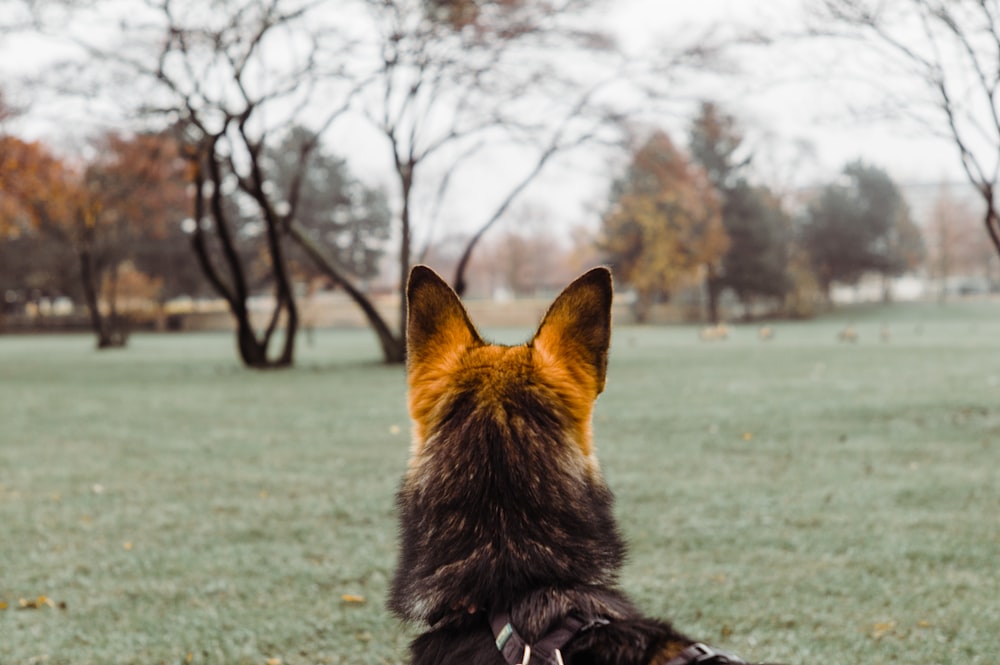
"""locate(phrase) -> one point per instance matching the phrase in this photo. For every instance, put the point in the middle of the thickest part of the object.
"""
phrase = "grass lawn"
(798, 500)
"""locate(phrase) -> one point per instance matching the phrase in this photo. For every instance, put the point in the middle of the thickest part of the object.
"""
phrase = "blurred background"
(276, 166)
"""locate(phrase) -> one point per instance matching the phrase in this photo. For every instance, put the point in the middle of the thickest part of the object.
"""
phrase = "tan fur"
(449, 352)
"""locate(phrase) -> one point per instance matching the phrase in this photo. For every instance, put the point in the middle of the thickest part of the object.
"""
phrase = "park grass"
(797, 500)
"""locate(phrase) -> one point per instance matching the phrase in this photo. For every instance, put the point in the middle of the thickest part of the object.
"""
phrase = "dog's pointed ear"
(436, 321)
(576, 331)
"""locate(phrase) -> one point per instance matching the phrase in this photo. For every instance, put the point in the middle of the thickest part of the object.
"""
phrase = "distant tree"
(32, 266)
(352, 220)
(756, 263)
(955, 246)
(859, 226)
(950, 50)
(904, 250)
(526, 257)
(133, 188)
(805, 295)
(137, 190)
(664, 224)
(716, 143)
(166, 257)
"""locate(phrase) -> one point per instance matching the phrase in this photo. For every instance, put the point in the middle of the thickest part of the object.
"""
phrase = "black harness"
(547, 650)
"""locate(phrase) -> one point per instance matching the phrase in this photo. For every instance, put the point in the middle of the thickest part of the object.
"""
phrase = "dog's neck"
(468, 543)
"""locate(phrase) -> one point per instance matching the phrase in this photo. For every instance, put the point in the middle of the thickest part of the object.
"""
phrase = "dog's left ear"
(576, 330)
(436, 321)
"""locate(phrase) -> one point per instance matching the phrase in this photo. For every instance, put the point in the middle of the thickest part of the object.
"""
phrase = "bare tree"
(537, 75)
(948, 50)
(218, 84)
(230, 79)
(454, 78)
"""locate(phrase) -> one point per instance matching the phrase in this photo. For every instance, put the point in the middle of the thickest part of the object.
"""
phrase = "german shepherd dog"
(509, 547)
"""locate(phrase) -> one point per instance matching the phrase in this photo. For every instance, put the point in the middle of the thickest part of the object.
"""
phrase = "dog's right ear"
(577, 328)
(437, 325)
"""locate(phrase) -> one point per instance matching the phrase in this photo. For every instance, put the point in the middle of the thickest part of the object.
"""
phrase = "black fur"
(493, 522)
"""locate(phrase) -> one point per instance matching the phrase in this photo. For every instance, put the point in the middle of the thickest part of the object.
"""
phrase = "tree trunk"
(713, 287)
(991, 219)
(404, 253)
(393, 347)
(886, 289)
(109, 331)
(252, 349)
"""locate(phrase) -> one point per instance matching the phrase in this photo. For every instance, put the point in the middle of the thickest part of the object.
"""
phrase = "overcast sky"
(798, 114)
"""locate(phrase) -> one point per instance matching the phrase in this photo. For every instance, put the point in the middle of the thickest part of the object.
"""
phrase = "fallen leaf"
(747, 436)
(924, 623)
(127, 545)
(273, 661)
(35, 603)
(882, 628)
(351, 598)
(3, 605)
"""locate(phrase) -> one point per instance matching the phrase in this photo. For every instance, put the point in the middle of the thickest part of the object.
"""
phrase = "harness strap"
(546, 651)
(701, 654)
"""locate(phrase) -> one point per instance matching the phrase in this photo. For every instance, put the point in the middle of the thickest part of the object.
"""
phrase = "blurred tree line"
(679, 218)
(227, 154)
(438, 80)
(116, 231)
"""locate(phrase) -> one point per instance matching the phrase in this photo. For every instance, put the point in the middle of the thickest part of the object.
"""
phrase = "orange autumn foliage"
(665, 224)
(38, 191)
(107, 209)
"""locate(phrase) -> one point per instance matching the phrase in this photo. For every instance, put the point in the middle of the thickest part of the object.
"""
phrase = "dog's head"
(503, 492)
(556, 376)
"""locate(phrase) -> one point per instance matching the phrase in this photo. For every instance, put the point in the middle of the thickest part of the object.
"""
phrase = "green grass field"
(798, 500)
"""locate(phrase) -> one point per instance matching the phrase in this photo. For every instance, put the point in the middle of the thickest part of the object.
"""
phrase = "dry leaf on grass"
(36, 603)
(882, 628)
